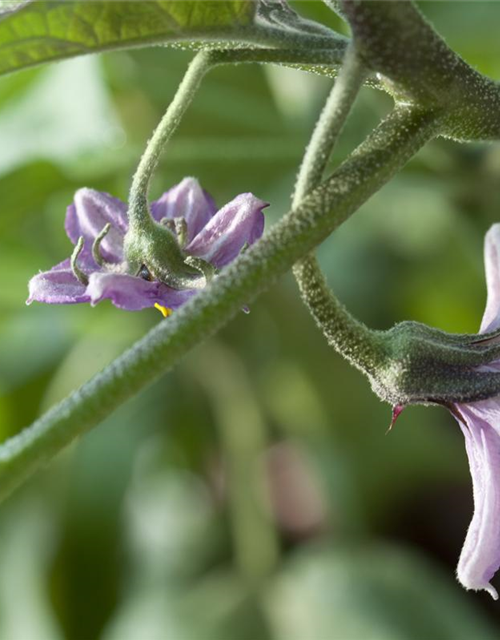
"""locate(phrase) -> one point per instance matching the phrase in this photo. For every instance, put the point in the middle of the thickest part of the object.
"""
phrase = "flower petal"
(57, 286)
(186, 200)
(480, 556)
(491, 317)
(131, 293)
(88, 215)
(239, 222)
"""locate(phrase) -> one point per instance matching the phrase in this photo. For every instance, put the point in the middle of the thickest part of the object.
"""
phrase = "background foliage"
(252, 493)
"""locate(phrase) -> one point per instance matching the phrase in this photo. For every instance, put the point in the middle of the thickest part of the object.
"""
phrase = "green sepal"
(424, 365)
(154, 246)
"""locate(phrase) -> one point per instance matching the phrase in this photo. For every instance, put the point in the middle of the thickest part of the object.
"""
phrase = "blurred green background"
(251, 494)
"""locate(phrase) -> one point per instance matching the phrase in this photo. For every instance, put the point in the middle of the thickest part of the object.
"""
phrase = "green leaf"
(42, 31)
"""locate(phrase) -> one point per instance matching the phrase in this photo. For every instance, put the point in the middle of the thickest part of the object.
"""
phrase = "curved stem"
(138, 212)
(321, 61)
(356, 342)
(375, 161)
(330, 124)
(361, 346)
(204, 60)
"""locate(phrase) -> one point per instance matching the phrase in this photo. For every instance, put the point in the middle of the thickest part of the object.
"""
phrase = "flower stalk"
(148, 242)
(356, 342)
(349, 81)
(138, 212)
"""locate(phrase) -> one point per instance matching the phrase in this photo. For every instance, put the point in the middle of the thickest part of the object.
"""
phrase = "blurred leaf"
(375, 592)
(26, 353)
(472, 31)
(88, 550)
(48, 122)
(44, 178)
(43, 31)
(25, 544)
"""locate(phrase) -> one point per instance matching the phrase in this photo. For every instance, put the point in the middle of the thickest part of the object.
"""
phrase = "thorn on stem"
(396, 412)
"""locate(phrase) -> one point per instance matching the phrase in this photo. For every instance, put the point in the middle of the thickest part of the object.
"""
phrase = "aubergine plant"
(201, 266)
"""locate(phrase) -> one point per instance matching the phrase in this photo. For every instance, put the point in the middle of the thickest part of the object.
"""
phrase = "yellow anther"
(165, 311)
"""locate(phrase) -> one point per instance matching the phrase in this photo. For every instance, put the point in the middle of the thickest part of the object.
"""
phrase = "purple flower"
(480, 423)
(96, 223)
(462, 373)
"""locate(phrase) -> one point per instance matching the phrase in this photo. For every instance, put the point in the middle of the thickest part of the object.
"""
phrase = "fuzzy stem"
(370, 166)
(362, 347)
(330, 124)
(138, 212)
(355, 341)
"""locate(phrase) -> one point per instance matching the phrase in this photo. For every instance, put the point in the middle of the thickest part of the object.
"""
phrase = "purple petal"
(239, 222)
(491, 317)
(186, 200)
(57, 286)
(131, 293)
(480, 556)
(87, 216)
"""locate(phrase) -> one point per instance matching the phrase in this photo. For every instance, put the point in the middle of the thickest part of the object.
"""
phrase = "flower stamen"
(78, 273)
(169, 223)
(96, 246)
(178, 227)
(165, 311)
(181, 231)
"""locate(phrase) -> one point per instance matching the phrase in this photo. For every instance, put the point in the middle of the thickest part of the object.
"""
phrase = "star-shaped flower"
(96, 223)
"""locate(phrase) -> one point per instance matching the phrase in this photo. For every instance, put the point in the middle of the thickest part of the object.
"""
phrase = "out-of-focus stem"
(243, 438)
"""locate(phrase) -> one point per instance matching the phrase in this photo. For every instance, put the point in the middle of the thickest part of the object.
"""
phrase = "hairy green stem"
(138, 212)
(330, 124)
(370, 166)
(362, 347)
(276, 24)
(321, 61)
(356, 342)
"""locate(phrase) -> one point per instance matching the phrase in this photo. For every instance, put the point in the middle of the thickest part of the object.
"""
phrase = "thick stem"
(356, 342)
(416, 65)
(321, 61)
(375, 161)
